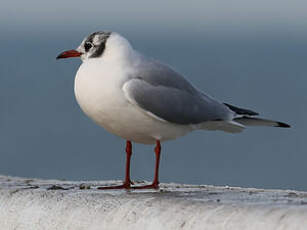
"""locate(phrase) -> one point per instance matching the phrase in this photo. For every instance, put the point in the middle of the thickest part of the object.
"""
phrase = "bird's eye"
(87, 46)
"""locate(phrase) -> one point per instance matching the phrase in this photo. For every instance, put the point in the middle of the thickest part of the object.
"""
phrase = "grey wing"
(160, 91)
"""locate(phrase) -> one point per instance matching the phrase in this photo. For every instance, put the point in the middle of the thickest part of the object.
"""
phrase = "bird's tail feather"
(226, 126)
(253, 121)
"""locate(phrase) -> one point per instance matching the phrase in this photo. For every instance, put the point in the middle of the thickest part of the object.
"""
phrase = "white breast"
(98, 90)
(102, 99)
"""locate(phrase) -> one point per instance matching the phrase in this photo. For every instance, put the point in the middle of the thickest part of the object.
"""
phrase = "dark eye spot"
(88, 46)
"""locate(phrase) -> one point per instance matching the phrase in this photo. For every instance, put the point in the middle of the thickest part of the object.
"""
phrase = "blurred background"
(248, 53)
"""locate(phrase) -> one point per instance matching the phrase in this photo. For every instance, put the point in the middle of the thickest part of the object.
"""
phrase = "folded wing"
(166, 95)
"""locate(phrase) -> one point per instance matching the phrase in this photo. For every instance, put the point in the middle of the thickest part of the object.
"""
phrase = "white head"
(97, 44)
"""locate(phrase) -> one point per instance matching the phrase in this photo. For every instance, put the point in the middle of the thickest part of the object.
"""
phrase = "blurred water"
(43, 133)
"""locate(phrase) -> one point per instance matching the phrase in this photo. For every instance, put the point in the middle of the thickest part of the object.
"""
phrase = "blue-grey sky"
(211, 10)
(219, 14)
(249, 53)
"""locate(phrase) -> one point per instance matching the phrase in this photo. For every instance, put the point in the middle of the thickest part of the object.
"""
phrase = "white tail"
(253, 121)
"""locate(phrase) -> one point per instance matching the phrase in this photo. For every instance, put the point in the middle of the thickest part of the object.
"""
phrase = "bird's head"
(92, 46)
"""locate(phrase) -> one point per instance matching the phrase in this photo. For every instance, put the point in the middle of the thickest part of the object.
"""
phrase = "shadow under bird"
(145, 101)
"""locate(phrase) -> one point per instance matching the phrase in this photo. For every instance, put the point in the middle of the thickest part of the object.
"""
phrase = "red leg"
(127, 182)
(155, 183)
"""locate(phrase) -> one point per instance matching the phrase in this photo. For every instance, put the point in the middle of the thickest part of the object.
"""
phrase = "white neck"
(118, 50)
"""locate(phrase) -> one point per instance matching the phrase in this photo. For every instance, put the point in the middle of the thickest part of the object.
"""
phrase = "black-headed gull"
(145, 101)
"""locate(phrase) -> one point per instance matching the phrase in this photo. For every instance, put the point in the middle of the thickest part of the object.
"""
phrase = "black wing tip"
(241, 111)
(252, 113)
(282, 125)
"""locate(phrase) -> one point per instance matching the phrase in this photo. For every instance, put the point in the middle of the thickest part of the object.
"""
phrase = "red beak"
(69, 54)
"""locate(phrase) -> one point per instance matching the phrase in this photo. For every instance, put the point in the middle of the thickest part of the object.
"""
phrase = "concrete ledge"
(50, 204)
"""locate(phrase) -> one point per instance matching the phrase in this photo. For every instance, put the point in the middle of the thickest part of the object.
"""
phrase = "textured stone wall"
(49, 204)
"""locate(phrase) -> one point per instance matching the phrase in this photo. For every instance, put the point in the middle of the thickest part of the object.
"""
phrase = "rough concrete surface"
(74, 205)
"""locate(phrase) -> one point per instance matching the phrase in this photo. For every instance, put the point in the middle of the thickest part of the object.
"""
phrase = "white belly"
(102, 99)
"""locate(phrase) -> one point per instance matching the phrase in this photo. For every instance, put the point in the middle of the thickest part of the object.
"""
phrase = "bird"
(145, 101)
